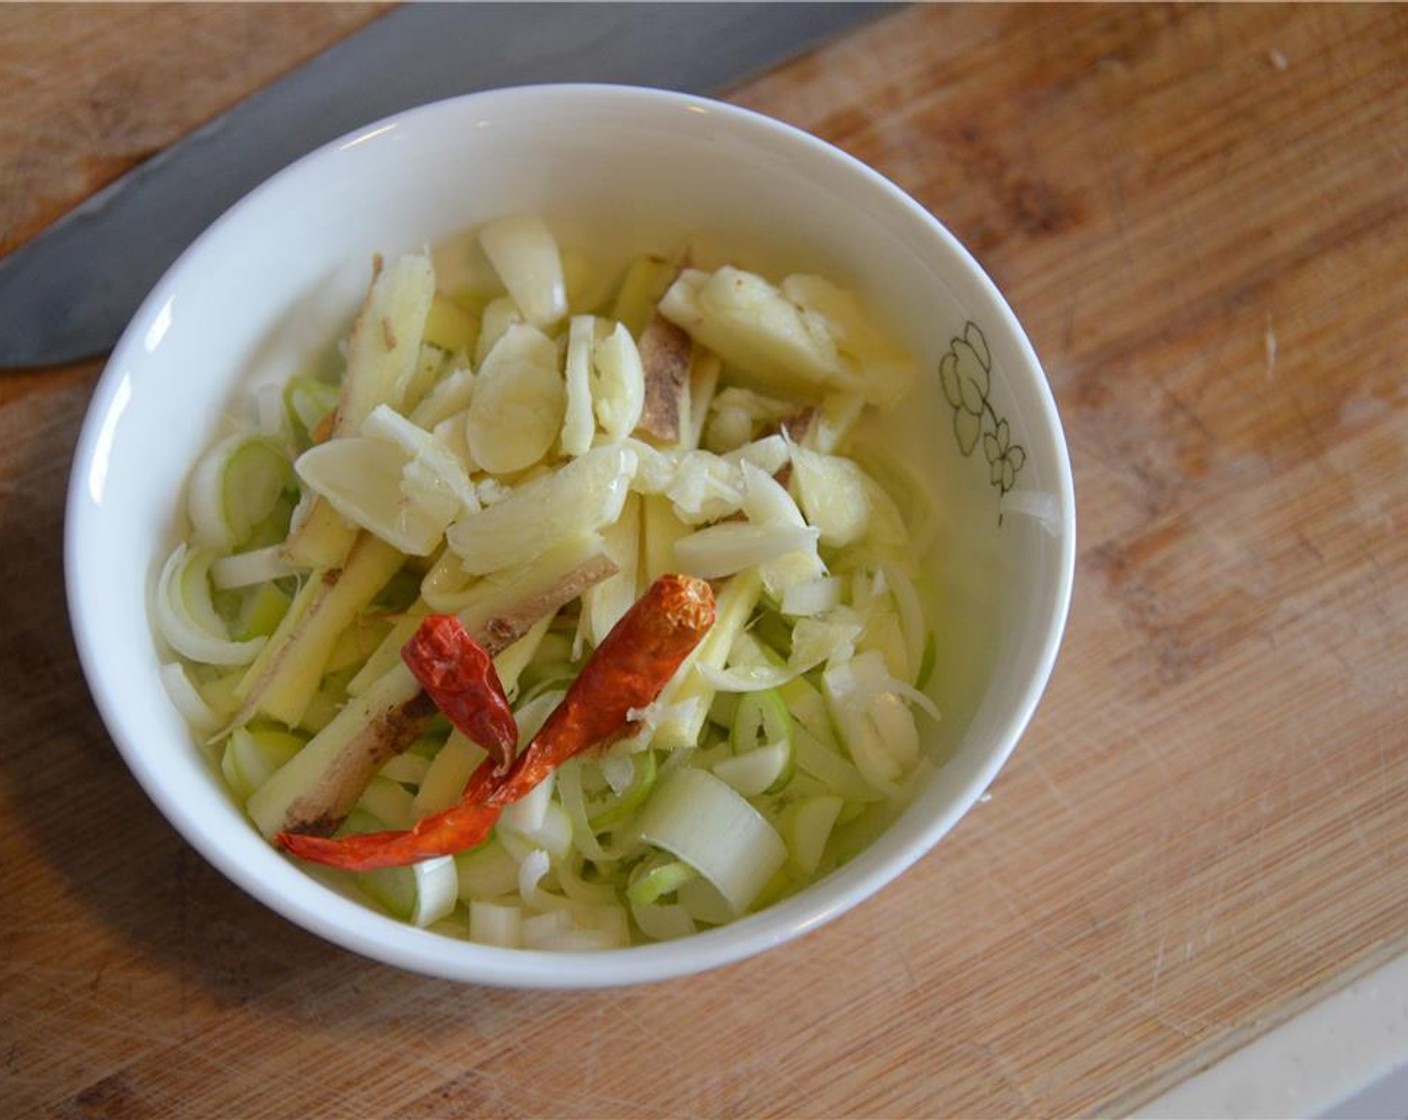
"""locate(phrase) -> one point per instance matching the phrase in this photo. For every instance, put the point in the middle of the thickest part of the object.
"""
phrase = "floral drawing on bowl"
(966, 373)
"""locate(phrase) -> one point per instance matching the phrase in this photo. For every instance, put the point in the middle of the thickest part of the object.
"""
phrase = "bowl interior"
(615, 172)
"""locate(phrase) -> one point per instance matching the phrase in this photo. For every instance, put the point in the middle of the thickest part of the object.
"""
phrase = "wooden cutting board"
(1201, 215)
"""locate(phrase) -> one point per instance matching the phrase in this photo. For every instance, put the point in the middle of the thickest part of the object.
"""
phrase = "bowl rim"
(432, 953)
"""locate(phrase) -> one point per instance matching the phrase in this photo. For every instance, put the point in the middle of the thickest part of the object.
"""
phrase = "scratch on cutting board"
(1057, 794)
(1158, 963)
(1188, 1027)
(1008, 1075)
(1268, 341)
(1341, 796)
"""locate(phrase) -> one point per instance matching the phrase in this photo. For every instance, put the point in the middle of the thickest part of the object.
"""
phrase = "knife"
(69, 292)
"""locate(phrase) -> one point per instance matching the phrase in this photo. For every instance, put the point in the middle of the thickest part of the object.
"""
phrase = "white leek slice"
(486, 871)
(619, 770)
(812, 597)
(762, 770)
(618, 384)
(553, 836)
(895, 723)
(663, 923)
(389, 802)
(580, 498)
(569, 783)
(886, 534)
(494, 923)
(578, 929)
(704, 822)
(911, 616)
(528, 814)
(186, 618)
(629, 795)
(234, 487)
(806, 826)
(883, 634)
(703, 903)
(865, 702)
(659, 881)
(270, 416)
(437, 890)
(758, 720)
(546, 930)
(831, 638)
(309, 402)
(821, 762)
(579, 890)
(873, 678)
(198, 714)
(732, 546)
(251, 757)
(766, 502)
(519, 402)
(552, 930)
(525, 255)
(578, 425)
(749, 678)
(245, 569)
(533, 867)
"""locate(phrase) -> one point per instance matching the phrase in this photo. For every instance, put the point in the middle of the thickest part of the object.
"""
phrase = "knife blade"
(68, 293)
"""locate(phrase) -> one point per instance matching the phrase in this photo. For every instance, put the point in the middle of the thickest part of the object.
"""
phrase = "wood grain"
(91, 90)
(1200, 216)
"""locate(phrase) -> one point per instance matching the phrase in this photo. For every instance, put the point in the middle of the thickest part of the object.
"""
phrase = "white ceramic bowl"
(279, 275)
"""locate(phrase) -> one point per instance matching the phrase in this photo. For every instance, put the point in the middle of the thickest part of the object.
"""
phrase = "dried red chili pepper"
(627, 671)
(630, 667)
(458, 674)
(452, 830)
